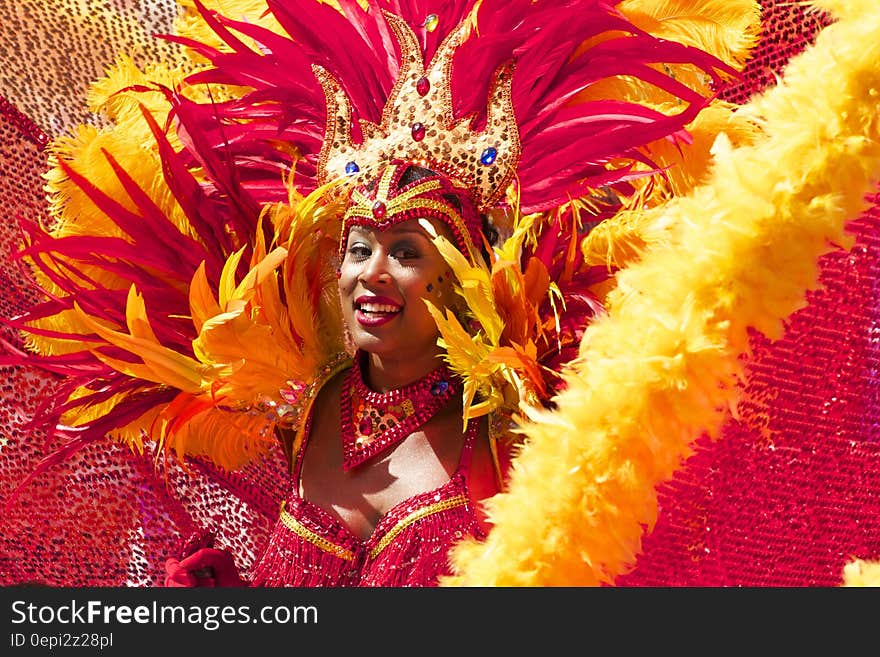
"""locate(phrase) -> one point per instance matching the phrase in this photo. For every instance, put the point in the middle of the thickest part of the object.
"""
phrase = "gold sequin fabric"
(53, 50)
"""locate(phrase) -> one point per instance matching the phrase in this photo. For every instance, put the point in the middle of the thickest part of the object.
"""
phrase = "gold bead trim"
(321, 543)
(302, 531)
(437, 507)
(406, 204)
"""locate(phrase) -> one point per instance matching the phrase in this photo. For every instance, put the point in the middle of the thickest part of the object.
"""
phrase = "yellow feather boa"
(662, 367)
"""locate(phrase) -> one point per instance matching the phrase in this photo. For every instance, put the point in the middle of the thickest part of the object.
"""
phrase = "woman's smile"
(372, 310)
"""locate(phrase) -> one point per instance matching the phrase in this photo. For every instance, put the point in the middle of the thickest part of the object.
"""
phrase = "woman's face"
(384, 277)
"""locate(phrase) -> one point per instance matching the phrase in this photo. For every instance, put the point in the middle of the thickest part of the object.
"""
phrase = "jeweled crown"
(418, 124)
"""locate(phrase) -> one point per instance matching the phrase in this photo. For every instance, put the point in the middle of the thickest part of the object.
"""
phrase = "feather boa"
(739, 252)
(861, 573)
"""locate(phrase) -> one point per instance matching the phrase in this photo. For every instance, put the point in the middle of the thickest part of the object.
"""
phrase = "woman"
(381, 491)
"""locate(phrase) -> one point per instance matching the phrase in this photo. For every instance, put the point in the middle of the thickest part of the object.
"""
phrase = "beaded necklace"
(373, 422)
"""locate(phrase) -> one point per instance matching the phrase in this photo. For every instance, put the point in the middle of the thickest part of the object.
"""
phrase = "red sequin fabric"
(786, 497)
(409, 546)
(103, 517)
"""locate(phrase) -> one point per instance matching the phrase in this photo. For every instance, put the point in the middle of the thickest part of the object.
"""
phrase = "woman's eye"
(359, 251)
(406, 253)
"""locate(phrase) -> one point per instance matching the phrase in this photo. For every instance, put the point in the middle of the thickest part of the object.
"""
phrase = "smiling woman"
(385, 478)
(391, 266)
(382, 279)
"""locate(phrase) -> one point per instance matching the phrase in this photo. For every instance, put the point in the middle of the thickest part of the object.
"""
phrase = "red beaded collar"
(374, 422)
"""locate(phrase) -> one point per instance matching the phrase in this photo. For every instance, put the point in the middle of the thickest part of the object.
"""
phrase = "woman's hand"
(206, 567)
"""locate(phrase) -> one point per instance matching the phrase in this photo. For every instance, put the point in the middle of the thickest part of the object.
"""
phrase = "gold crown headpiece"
(418, 124)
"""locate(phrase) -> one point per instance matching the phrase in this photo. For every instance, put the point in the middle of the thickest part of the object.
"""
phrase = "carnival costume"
(189, 287)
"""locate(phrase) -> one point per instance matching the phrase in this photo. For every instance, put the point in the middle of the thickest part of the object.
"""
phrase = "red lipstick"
(371, 311)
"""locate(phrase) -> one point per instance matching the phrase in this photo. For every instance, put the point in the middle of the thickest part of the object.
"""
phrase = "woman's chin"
(391, 345)
(372, 340)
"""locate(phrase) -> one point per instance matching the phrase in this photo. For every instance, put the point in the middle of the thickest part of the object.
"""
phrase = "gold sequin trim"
(443, 505)
(302, 531)
(360, 212)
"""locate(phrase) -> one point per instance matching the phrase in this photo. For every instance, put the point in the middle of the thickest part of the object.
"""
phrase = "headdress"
(386, 201)
(202, 313)
(419, 125)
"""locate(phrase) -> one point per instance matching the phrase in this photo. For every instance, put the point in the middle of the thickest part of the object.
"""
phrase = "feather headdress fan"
(189, 278)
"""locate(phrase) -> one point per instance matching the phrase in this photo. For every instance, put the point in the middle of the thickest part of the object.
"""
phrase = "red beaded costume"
(409, 546)
(782, 490)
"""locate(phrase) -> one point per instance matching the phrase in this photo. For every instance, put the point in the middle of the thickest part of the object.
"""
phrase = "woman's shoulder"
(329, 393)
(315, 399)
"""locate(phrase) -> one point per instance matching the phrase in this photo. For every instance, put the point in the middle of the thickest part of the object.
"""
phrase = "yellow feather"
(231, 439)
(463, 351)
(154, 372)
(227, 287)
(190, 23)
(861, 573)
(475, 285)
(161, 364)
(202, 303)
(620, 240)
(130, 140)
(136, 316)
(729, 29)
(310, 228)
(258, 274)
(251, 331)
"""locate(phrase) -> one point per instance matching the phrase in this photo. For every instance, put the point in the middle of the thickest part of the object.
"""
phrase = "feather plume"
(189, 265)
(662, 366)
(513, 334)
(727, 28)
(860, 573)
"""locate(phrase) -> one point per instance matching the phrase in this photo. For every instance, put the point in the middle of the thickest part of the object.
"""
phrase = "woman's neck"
(384, 373)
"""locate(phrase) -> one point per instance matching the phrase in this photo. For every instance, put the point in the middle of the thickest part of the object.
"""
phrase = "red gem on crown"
(379, 210)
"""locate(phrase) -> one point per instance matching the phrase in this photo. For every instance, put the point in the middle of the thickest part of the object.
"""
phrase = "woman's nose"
(376, 268)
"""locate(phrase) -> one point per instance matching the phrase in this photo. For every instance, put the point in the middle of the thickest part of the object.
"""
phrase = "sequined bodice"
(409, 546)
